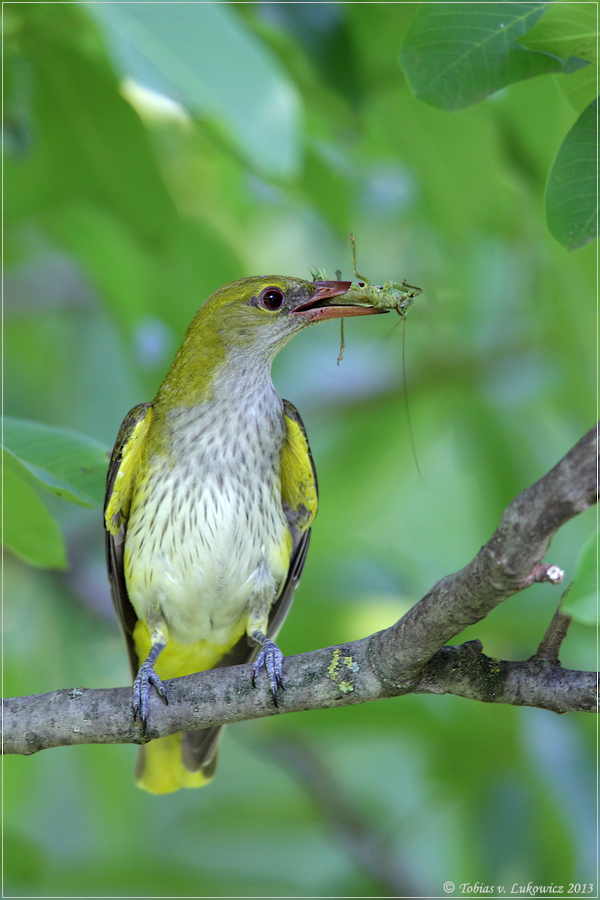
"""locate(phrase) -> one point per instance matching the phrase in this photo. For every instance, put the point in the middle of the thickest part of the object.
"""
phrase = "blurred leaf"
(585, 572)
(454, 54)
(326, 183)
(200, 260)
(447, 185)
(121, 267)
(133, 282)
(377, 38)
(581, 598)
(566, 29)
(76, 111)
(65, 463)
(579, 88)
(571, 192)
(24, 859)
(373, 612)
(29, 529)
(324, 32)
(585, 609)
(205, 58)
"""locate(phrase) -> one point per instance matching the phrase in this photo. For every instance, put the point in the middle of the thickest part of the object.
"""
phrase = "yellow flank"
(297, 479)
(285, 551)
(162, 770)
(117, 509)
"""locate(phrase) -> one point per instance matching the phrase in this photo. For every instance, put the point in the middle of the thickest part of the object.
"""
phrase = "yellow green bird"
(210, 498)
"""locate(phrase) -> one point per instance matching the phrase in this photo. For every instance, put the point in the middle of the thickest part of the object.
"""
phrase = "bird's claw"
(271, 658)
(145, 677)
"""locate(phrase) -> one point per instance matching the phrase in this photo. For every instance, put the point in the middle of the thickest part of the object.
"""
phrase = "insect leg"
(356, 275)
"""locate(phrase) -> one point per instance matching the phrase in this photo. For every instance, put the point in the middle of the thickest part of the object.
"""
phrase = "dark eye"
(272, 298)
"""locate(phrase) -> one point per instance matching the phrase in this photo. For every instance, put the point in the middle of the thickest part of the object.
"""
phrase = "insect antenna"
(411, 436)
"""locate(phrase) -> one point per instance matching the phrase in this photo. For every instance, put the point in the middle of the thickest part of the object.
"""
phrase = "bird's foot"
(145, 677)
(270, 658)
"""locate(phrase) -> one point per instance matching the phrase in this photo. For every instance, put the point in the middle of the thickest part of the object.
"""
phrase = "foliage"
(455, 55)
(571, 201)
(287, 127)
(581, 599)
(60, 461)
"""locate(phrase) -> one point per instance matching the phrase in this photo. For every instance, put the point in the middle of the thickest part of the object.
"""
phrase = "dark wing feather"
(116, 509)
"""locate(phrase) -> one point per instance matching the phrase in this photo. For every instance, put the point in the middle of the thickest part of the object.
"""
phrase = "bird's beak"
(328, 302)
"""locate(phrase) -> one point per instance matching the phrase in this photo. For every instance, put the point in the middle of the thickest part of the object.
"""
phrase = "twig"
(552, 641)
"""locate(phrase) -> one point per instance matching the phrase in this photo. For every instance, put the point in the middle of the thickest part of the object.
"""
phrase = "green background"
(294, 126)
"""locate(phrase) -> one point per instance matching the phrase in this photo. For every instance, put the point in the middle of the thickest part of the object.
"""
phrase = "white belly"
(207, 546)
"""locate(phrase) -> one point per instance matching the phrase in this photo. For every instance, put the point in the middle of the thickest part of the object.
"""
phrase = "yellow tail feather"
(160, 769)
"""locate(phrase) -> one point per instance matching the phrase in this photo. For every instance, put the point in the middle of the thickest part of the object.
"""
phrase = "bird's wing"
(300, 497)
(119, 490)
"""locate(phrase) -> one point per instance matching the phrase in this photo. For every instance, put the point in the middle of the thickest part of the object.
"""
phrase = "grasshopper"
(390, 295)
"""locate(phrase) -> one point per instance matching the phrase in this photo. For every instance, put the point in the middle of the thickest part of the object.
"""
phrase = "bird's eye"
(272, 298)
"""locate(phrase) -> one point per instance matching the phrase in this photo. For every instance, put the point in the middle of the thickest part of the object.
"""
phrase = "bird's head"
(263, 313)
(249, 321)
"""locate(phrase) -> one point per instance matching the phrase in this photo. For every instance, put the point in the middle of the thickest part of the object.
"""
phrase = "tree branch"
(336, 676)
(508, 563)
(409, 657)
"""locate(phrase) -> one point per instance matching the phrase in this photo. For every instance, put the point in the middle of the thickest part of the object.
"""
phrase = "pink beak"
(317, 309)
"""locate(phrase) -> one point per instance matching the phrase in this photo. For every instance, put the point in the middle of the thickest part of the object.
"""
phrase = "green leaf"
(205, 58)
(29, 529)
(455, 54)
(87, 143)
(570, 29)
(566, 29)
(63, 462)
(571, 196)
(579, 88)
(581, 599)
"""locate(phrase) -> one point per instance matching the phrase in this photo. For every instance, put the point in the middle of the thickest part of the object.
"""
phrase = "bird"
(210, 499)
